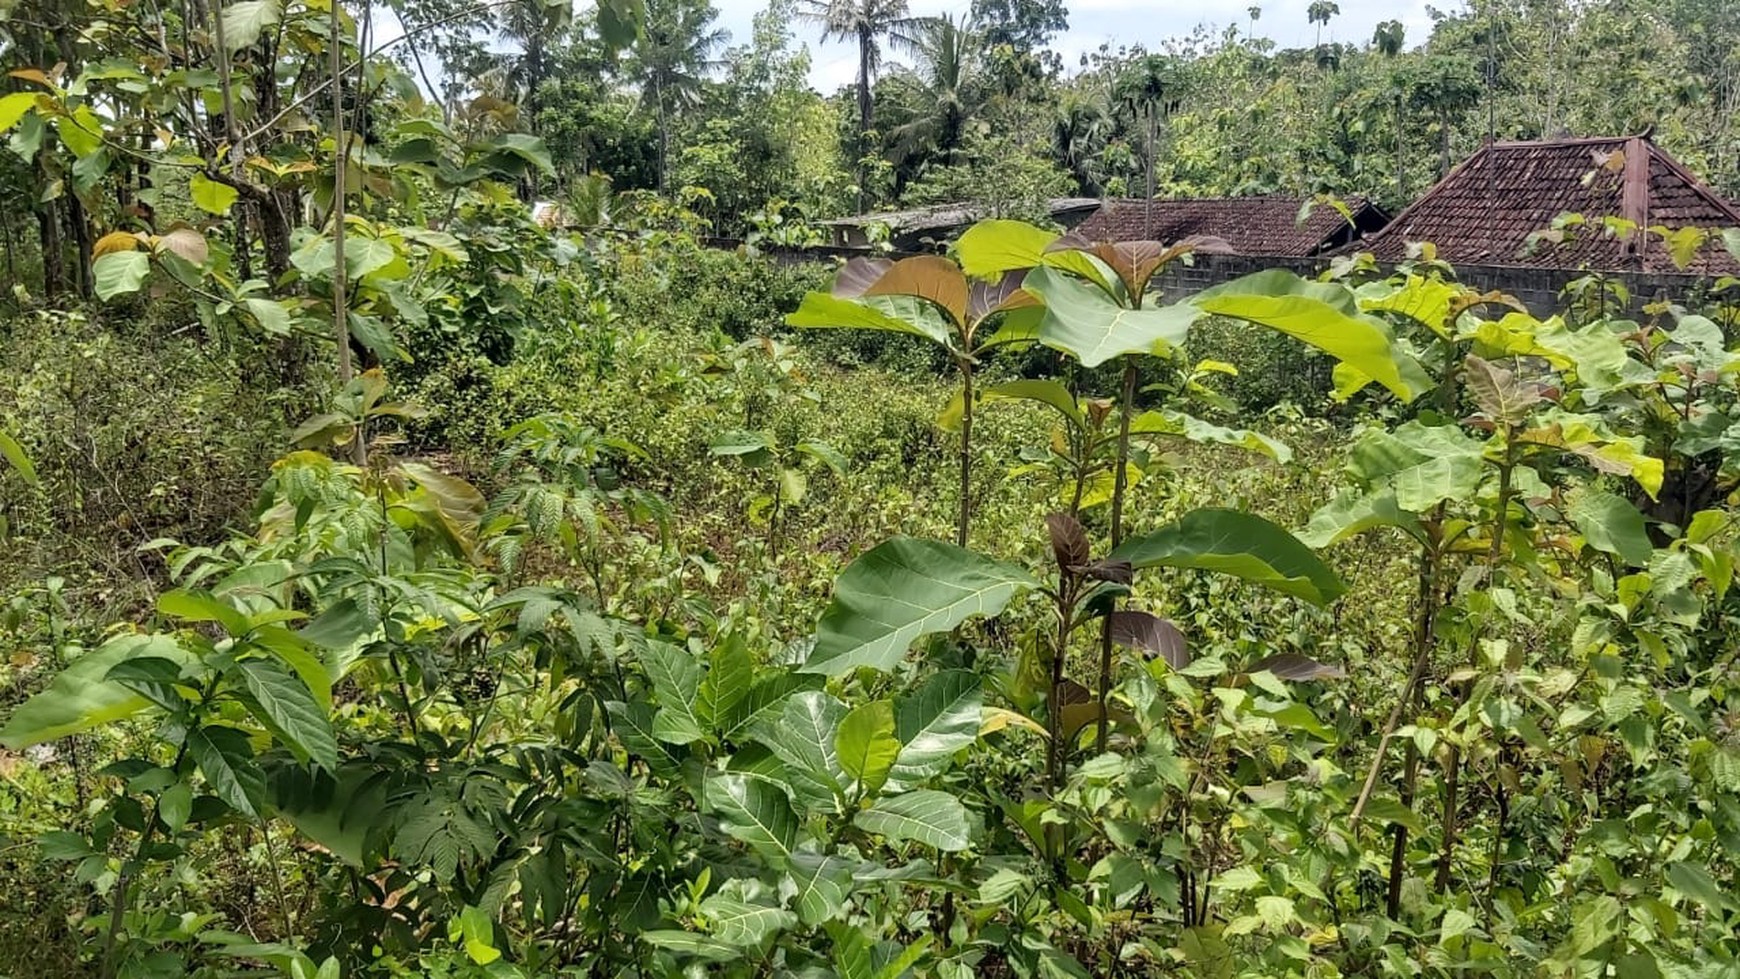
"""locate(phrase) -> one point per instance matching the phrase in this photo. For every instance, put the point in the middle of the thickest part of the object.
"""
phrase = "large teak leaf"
(1081, 320)
(1240, 544)
(1327, 317)
(900, 590)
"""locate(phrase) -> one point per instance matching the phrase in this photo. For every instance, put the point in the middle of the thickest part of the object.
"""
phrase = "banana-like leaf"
(900, 590)
(1324, 315)
(1240, 544)
(1084, 322)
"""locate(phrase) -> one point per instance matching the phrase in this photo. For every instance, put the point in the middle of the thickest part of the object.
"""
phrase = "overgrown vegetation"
(397, 586)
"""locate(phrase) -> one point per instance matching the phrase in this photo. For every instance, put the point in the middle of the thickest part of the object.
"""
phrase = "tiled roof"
(1265, 225)
(1485, 211)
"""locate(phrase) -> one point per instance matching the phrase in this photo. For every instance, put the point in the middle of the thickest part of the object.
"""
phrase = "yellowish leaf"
(115, 241)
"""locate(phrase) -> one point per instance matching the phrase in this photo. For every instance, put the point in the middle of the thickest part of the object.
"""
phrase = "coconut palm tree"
(1149, 89)
(945, 58)
(1079, 131)
(533, 27)
(868, 24)
(1388, 39)
(672, 59)
(1319, 13)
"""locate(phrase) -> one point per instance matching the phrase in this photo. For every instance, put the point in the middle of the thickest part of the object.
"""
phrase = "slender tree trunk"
(80, 226)
(53, 250)
(1148, 215)
(340, 163)
(963, 520)
(1119, 484)
(866, 53)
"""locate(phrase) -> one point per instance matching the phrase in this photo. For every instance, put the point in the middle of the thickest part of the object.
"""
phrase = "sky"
(1148, 22)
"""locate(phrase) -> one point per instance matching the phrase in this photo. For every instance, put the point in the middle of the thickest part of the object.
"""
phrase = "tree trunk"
(80, 226)
(866, 52)
(53, 255)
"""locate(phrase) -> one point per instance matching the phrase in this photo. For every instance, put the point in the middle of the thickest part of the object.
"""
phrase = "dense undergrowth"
(590, 669)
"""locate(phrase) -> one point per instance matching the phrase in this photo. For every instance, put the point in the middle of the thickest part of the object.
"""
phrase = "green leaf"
(744, 924)
(1353, 512)
(1042, 391)
(1422, 464)
(804, 740)
(81, 698)
(701, 946)
(245, 21)
(866, 744)
(823, 885)
(1696, 883)
(14, 454)
(195, 607)
(754, 811)
(826, 454)
(271, 315)
(175, 805)
(81, 131)
(824, 310)
(1455, 924)
(1239, 544)
(339, 626)
(754, 446)
(153, 677)
(1324, 315)
(226, 761)
(1608, 522)
(210, 196)
(1166, 421)
(291, 712)
(730, 675)
(934, 722)
(1081, 320)
(13, 108)
(119, 273)
(900, 590)
(927, 816)
(676, 681)
(991, 248)
(513, 151)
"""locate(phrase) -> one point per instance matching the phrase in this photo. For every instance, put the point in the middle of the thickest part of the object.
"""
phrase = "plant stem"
(1054, 706)
(278, 880)
(1425, 612)
(964, 517)
(340, 161)
(1119, 481)
(1453, 767)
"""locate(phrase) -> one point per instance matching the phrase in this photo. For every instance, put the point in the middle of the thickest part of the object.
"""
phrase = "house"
(928, 228)
(1500, 208)
(1268, 225)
